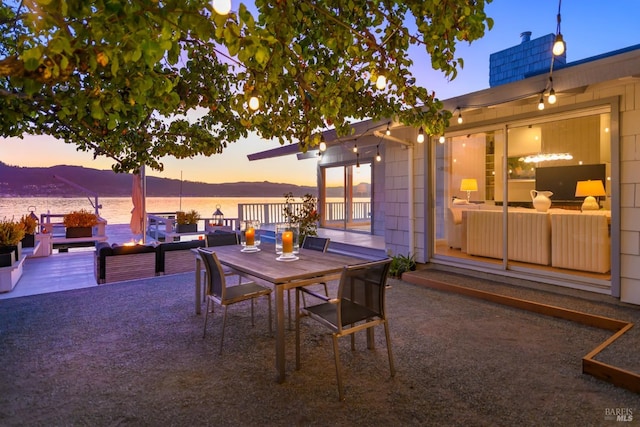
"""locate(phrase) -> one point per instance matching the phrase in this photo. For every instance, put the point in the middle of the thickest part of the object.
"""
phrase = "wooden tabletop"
(263, 264)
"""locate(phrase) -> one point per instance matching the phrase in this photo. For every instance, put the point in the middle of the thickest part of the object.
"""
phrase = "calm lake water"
(117, 210)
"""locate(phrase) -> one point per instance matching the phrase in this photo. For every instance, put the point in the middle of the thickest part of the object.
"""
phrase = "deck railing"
(271, 213)
(161, 224)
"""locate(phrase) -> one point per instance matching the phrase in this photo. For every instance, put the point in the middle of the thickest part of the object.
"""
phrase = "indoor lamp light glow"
(469, 185)
(589, 189)
(221, 7)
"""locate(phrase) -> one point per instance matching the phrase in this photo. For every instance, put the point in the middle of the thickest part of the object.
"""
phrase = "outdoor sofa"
(115, 263)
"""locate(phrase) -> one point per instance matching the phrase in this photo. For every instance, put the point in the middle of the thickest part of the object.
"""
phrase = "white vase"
(541, 200)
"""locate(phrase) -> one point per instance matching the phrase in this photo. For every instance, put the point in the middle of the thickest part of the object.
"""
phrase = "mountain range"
(16, 181)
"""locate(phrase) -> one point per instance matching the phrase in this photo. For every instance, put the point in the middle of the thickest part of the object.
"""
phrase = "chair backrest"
(222, 239)
(315, 243)
(216, 285)
(364, 284)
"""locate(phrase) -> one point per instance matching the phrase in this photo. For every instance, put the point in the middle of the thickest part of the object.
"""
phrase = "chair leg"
(206, 315)
(336, 356)
(224, 323)
(298, 328)
(388, 340)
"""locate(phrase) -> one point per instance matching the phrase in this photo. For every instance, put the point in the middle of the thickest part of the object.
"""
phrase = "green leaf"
(32, 58)
(96, 110)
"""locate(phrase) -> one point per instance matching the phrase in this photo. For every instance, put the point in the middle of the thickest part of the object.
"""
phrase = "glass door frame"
(348, 187)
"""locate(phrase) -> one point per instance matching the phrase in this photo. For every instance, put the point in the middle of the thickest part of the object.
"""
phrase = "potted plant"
(11, 234)
(29, 223)
(306, 216)
(80, 223)
(187, 222)
(400, 264)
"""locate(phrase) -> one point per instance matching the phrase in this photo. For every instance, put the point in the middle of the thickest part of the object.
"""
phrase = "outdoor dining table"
(310, 267)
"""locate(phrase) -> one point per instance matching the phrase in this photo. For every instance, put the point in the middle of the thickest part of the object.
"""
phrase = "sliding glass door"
(486, 183)
(346, 193)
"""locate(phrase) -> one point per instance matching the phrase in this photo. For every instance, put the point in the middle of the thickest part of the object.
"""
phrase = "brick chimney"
(528, 58)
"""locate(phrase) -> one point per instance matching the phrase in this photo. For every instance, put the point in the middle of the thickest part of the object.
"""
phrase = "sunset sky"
(589, 28)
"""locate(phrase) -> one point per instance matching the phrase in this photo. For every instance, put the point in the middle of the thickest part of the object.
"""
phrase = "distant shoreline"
(18, 181)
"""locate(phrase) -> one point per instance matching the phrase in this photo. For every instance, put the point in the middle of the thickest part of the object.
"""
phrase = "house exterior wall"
(397, 218)
(628, 93)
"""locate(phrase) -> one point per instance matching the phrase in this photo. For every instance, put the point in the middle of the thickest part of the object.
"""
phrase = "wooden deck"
(74, 269)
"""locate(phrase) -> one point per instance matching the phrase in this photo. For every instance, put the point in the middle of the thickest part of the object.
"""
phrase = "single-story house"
(466, 199)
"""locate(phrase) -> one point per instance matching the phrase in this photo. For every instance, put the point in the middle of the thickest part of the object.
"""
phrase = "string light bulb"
(541, 103)
(323, 144)
(558, 44)
(459, 117)
(552, 96)
(381, 81)
(441, 139)
(388, 131)
(221, 7)
(420, 138)
(254, 101)
(378, 156)
(355, 148)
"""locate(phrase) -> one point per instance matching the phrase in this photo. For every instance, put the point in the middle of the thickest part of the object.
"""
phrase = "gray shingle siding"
(518, 62)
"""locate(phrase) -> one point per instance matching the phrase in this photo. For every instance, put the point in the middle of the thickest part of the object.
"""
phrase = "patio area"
(132, 353)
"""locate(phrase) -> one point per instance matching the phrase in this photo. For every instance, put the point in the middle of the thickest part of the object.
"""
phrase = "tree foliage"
(117, 77)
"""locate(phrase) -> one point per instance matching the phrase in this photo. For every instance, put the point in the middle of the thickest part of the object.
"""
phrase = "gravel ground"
(133, 354)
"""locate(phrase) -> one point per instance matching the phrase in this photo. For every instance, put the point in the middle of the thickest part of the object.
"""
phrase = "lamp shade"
(469, 184)
(590, 188)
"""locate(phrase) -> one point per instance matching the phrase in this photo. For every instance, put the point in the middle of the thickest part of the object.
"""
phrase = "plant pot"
(186, 228)
(75, 232)
(29, 241)
(12, 253)
(6, 259)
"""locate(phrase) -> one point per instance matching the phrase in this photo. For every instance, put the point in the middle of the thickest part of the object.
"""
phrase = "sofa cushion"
(221, 238)
(181, 246)
(132, 249)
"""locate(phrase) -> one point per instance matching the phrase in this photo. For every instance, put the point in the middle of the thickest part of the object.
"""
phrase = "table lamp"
(590, 190)
(469, 185)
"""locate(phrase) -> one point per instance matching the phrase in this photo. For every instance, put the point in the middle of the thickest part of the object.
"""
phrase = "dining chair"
(219, 293)
(222, 238)
(314, 243)
(359, 305)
